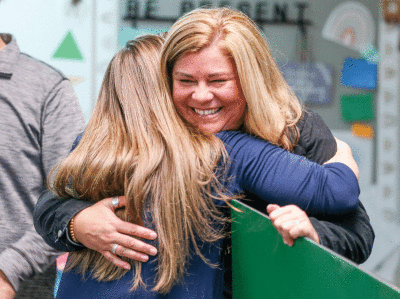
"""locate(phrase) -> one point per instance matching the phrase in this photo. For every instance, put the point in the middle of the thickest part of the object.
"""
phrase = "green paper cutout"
(357, 107)
(68, 49)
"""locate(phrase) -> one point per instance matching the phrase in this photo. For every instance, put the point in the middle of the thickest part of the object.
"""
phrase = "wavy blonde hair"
(272, 108)
(137, 145)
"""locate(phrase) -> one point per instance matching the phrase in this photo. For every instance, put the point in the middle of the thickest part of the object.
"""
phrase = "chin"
(209, 130)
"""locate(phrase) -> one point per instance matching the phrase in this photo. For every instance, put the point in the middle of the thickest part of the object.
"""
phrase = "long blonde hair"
(272, 108)
(136, 145)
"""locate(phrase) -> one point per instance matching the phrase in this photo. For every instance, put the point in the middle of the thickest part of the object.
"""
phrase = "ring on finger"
(115, 201)
(114, 248)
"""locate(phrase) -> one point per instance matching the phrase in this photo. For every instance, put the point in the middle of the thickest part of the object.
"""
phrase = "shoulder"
(238, 139)
(42, 70)
(316, 140)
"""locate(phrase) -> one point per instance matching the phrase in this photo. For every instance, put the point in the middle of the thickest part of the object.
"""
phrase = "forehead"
(213, 58)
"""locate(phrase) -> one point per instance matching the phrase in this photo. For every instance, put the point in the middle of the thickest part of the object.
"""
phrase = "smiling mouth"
(207, 112)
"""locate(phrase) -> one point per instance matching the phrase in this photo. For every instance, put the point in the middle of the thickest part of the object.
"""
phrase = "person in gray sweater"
(39, 118)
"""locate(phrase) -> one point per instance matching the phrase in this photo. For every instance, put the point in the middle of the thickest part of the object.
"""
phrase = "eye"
(185, 81)
(218, 81)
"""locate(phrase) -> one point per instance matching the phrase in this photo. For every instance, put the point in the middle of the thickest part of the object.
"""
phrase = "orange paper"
(362, 130)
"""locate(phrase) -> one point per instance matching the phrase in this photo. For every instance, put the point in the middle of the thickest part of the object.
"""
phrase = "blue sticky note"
(359, 73)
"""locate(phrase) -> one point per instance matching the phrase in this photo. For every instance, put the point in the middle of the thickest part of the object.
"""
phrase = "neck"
(2, 44)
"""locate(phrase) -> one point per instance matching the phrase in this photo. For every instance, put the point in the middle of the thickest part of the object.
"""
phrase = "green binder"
(264, 267)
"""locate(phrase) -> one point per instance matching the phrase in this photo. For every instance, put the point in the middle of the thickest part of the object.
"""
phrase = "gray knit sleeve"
(61, 120)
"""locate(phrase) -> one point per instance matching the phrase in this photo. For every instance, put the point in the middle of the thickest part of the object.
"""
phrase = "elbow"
(345, 197)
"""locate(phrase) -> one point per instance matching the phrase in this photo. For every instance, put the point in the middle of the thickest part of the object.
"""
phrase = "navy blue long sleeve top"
(254, 166)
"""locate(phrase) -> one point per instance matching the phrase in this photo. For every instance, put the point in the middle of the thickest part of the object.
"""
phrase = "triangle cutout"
(68, 49)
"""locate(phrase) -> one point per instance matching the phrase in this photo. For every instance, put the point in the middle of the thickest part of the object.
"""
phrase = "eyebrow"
(209, 76)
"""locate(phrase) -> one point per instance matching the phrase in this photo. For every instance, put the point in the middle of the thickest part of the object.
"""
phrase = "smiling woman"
(222, 44)
(206, 90)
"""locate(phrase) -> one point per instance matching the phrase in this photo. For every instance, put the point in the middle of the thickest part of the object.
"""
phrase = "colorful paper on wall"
(312, 83)
(362, 130)
(357, 107)
(350, 24)
(68, 49)
(359, 73)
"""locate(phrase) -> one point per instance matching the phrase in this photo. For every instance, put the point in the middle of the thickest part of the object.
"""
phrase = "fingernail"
(127, 267)
(145, 258)
(153, 235)
(153, 251)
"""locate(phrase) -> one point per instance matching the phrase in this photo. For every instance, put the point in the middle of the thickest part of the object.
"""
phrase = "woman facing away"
(176, 181)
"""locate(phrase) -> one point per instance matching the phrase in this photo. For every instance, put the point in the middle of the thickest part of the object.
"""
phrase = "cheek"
(179, 93)
(176, 95)
(238, 113)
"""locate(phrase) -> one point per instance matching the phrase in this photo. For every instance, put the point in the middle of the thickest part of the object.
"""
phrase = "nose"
(202, 93)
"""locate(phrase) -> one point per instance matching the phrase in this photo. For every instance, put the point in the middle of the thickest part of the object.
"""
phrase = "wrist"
(71, 230)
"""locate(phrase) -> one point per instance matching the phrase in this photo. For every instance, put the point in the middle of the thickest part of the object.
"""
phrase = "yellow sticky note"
(362, 130)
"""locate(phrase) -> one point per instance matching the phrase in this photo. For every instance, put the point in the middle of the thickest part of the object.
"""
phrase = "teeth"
(206, 112)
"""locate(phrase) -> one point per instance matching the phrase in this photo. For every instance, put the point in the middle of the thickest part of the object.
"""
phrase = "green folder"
(264, 267)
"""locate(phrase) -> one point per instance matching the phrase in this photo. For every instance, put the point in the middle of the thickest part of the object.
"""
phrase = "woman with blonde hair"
(272, 110)
(194, 46)
(176, 179)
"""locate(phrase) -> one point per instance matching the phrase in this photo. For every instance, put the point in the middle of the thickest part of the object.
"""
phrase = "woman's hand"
(98, 228)
(6, 289)
(345, 156)
(291, 222)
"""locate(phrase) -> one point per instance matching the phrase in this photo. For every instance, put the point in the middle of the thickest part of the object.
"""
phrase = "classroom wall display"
(370, 54)
(68, 49)
(388, 124)
(359, 73)
(357, 107)
(80, 41)
(262, 12)
(362, 130)
(311, 82)
(264, 267)
(350, 24)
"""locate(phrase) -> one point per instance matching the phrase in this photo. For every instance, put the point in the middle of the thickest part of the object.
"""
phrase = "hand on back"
(98, 228)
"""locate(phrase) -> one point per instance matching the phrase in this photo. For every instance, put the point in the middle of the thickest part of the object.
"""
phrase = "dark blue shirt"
(255, 166)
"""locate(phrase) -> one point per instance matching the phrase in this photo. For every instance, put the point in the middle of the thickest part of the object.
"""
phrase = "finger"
(279, 213)
(121, 202)
(305, 229)
(287, 217)
(135, 230)
(285, 226)
(135, 244)
(286, 238)
(272, 207)
(279, 226)
(116, 260)
(132, 254)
